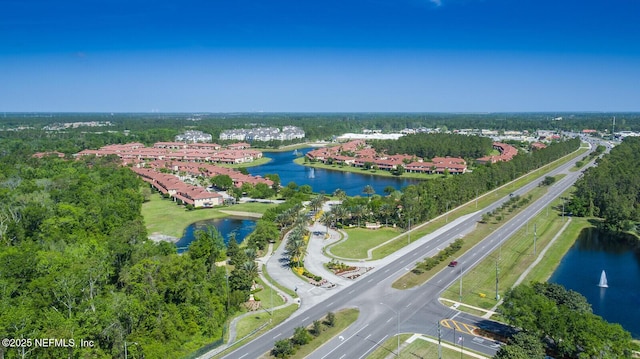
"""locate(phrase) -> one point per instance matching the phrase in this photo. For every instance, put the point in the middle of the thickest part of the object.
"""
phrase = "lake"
(227, 226)
(322, 180)
(619, 257)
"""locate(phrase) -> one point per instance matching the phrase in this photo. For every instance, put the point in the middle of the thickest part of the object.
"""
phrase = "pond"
(322, 180)
(619, 257)
(228, 226)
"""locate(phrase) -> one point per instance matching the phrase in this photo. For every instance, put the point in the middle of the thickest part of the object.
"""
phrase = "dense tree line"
(151, 128)
(431, 145)
(560, 320)
(611, 190)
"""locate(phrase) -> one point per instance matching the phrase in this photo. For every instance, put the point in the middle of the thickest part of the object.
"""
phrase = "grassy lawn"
(166, 217)
(417, 349)
(344, 318)
(515, 256)
(360, 240)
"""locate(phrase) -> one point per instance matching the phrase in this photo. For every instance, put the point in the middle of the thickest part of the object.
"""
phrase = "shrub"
(331, 319)
(283, 349)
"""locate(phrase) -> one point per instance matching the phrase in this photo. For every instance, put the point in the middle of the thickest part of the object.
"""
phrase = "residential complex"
(155, 165)
(263, 134)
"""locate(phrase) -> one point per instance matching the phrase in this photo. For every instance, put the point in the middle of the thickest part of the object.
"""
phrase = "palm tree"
(339, 213)
(327, 219)
(316, 202)
(251, 268)
(368, 190)
(296, 248)
(340, 194)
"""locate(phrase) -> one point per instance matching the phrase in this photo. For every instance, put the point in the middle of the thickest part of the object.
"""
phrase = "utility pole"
(460, 283)
(476, 198)
(497, 273)
(535, 234)
(439, 342)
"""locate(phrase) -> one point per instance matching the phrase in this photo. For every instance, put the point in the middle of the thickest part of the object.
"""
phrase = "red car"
(453, 263)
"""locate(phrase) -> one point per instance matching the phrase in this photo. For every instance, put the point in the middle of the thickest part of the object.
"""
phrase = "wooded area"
(611, 190)
(553, 319)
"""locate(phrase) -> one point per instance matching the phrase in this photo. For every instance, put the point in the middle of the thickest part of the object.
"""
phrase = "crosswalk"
(459, 326)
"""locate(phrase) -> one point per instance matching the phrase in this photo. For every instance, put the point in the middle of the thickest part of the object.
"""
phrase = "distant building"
(263, 134)
(194, 136)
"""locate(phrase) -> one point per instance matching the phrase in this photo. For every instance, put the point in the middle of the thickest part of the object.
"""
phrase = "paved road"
(383, 310)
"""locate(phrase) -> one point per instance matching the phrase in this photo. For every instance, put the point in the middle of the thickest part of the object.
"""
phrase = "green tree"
(368, 190)
(283, 349)
(522, 346)
(223, 182)
(301, 336)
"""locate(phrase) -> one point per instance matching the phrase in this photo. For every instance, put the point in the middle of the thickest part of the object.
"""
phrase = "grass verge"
(344, 318)
(515, 256)
(419, 348)
(252, 322)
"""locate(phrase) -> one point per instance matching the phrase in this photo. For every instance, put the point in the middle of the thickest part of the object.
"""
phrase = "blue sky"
(328, 56)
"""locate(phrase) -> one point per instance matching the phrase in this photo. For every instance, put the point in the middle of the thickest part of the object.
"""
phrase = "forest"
(429, 145)
(559, 322)
(611, 190)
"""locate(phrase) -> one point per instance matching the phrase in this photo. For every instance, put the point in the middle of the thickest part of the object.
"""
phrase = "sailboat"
(603, 280)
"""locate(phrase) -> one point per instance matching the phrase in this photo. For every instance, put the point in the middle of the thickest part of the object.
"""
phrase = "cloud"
(436, 2)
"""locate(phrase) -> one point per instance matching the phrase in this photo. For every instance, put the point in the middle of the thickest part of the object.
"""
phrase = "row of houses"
(263, 134)
(170, 185)
(506, 153)
(178, 151)
(185, 193)
(358, 154)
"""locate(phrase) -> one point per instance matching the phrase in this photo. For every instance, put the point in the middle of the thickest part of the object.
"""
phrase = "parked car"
(453, 263)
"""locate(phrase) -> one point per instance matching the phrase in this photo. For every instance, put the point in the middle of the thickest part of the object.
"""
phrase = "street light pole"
(460, 283)
(497, 272)
(397, 326)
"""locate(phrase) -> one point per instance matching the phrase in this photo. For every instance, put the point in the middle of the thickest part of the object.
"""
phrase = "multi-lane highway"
(384, 311)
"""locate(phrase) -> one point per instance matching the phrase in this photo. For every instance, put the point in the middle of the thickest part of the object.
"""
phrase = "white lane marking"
(374, 346)
(243, 356)
(344, 341)
(277, 335)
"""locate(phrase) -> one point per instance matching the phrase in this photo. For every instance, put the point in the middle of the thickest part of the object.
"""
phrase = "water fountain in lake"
(312, 173)
(603, 280)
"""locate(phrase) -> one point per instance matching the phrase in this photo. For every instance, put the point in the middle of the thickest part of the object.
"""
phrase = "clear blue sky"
(319, 56)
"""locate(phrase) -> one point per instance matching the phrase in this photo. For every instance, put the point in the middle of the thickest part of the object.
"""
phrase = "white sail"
(603, 280)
